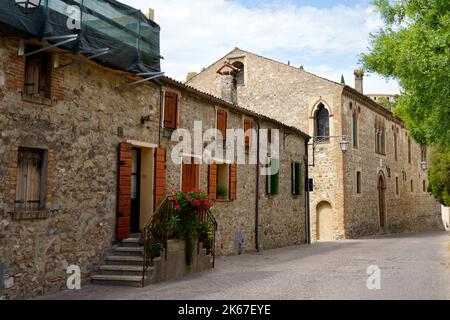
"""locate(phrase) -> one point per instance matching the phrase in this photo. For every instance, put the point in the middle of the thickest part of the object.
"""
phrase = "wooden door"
(124, 191)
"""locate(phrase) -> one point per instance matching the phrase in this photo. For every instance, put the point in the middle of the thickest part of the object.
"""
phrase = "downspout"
(258, 173)
(307, 205)
(160, 113)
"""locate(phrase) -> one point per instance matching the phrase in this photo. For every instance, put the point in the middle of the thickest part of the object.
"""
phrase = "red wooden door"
(160, 175)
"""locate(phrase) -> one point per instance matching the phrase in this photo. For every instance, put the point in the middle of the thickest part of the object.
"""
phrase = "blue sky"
(324, 36)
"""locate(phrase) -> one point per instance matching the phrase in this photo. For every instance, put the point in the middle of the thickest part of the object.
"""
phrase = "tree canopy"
(413, 47)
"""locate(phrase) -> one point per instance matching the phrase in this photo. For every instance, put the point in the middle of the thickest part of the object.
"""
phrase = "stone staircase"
(124, 266)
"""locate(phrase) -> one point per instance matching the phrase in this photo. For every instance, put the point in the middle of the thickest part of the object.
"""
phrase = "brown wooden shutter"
(32, 68)
(160, 175)
(212, 181)
(222, 123)
(233, 181)
(170, 110)
(124, 191)
(248, 125)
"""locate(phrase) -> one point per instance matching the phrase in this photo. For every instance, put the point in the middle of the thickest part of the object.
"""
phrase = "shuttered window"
(273, 179)
(170, 110)
(222, 123)
(248, 126)
(31, 180)
(233, 181)
(212, 181)
(296, 178)
(37, 73)
(190, 180)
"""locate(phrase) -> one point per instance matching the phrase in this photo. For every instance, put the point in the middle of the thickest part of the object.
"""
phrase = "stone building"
(62, 201)
(377, 185)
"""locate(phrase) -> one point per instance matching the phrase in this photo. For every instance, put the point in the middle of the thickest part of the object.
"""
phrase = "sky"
(325, 37)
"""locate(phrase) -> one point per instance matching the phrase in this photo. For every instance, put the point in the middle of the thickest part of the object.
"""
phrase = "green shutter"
(273, 181)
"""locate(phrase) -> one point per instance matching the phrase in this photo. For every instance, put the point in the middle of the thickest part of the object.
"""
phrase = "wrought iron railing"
(156, 233)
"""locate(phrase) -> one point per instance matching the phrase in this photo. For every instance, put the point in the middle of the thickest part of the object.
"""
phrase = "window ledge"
(223, 200)
(30, 215)
(34, 98)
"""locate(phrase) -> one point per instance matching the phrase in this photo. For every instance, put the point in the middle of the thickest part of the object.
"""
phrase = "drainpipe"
(258, 173)
(161, 98)
(307, 205)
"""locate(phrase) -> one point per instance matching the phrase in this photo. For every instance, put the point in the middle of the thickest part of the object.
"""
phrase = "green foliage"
(222, 191)
(190, 75)
(342, 80)
(383, 101)
(439, 175)
(414, 48)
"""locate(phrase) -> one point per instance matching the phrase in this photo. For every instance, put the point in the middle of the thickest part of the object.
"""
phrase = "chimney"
(229, 88)
(359, 77)
(151, 14)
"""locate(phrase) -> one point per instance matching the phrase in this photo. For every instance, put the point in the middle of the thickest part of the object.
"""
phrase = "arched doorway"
(382, 199)
(325, 221)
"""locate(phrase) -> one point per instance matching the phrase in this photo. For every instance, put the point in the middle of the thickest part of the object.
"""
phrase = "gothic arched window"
(322, 122)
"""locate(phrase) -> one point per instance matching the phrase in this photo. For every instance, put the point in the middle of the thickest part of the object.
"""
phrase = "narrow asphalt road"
(413, 266)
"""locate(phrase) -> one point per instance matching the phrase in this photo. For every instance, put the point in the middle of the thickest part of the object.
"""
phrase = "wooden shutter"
(212, 181)
(233, 181)
(222, 123)
(32, 68)
(124, 191)
(170, 110)
(30, 188)
(190, 179)
(160, 175)
(248, 125)
(273, 181)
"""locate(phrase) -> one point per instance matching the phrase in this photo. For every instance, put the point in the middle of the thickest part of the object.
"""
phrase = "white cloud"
(195, 33)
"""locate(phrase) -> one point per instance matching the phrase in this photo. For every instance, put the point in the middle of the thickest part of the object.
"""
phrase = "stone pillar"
(229, 88)
(359, 77)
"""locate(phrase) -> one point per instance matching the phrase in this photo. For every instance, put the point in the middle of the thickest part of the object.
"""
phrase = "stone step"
(128, 251)
(131, 242)
(125, 260)
(127, 270)
(117, 280)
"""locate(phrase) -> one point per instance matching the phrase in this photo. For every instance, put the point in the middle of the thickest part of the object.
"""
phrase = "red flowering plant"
(187, 221)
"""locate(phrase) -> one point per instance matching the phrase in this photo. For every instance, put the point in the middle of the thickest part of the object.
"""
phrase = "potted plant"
(222, 192)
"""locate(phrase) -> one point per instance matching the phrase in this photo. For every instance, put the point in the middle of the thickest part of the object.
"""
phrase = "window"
(355, 130)
(395, 147)
(222, 119)
(409, 151)
(190, 180)
(170, 110)
(380, 137)
(412, 186)
(248, 126)
(424, 186)
(322, 122)
(31, 180)
(423, 153)
(296, 178)
(240, 76)
(223, 181)
(397, 188)
(358, 182)
(273, 179)
(38, 73)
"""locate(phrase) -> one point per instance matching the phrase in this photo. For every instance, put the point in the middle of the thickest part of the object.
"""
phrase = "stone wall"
(91, 112)
(292, 95)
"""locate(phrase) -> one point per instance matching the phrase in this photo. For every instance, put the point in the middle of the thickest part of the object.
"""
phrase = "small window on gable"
(170, 110)
(424, 186)
(409, 151)
(38, 68)
(240, 76)
(296, 178)
(395, 147)
(31, 180)
(412, 186)
(397, 187)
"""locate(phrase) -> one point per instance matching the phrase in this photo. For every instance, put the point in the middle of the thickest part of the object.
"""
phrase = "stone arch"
(317, 105)
(325, 221)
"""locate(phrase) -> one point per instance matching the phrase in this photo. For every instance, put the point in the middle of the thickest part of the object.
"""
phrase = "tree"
(190, 75)
(385, 102)
(439, 176)
(413, 47)
(342, 80)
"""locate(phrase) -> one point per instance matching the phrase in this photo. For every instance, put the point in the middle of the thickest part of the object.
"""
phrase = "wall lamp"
(344, 144)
